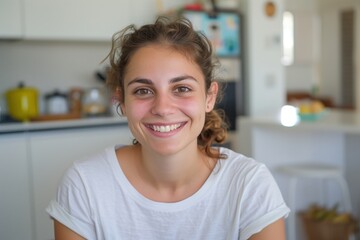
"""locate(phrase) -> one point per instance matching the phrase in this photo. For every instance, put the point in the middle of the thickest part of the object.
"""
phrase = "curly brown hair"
(180, 35)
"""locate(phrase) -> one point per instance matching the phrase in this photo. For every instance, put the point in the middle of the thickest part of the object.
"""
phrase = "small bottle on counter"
(95, 102)
(75, 99)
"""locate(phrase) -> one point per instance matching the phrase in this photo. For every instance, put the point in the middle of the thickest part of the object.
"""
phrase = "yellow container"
(22, 103)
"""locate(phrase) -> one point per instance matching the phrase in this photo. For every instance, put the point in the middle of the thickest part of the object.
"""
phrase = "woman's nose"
(163, 105)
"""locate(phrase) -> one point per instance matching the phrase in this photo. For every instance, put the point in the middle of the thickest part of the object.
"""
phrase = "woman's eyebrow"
(172, 80)
(140, 80)
(181, 78)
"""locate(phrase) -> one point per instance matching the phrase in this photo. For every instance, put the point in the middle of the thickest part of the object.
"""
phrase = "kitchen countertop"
(61, 124)
(334, 120)
(333, 140)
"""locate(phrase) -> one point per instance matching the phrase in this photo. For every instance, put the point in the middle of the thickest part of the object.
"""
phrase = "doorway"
(347, 86)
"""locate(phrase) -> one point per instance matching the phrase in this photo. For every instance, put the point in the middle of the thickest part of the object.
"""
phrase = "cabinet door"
(15, 198)
(87, 20)
(75, 19)
(11, 19)
(52, 152)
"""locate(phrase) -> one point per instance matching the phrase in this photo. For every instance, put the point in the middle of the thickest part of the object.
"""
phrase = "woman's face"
(165, 99)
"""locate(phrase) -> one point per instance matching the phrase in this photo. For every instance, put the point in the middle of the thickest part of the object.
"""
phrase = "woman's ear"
(211, 96)
(123, 109)
(117, 99)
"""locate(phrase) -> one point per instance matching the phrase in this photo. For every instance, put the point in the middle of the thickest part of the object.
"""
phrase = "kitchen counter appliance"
(22, 102)
(95, 102)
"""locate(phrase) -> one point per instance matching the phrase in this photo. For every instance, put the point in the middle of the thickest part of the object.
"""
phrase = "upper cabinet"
(83, 19)
(11, 15)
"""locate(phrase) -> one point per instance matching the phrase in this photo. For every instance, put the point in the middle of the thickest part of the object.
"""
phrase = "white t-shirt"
(97, 201)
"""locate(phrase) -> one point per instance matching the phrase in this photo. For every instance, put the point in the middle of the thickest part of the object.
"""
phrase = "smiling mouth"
(165, 128)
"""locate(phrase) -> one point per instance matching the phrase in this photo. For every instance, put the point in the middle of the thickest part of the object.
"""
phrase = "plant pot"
(326, 230)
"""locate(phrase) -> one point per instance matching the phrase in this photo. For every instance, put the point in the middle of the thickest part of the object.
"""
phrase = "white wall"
(303, 74)
(265, 87)
(48, 65)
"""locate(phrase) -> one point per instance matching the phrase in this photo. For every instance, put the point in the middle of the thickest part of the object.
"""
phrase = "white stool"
(316, 172)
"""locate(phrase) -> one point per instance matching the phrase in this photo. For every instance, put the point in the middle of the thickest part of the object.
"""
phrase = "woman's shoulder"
(234, 158)
(237, 164)
(92, 164)
(95, 159)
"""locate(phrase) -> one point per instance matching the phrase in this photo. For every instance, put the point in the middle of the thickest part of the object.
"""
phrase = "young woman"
(172, 183)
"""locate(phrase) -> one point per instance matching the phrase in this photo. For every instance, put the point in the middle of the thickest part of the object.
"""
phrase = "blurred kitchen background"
(50, 46)
(287, 52)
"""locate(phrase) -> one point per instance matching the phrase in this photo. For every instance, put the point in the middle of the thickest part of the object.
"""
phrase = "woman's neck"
(174, 177)
(174, 168)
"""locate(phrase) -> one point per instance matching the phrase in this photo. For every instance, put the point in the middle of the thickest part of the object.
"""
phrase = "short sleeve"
(262, 202)
(72, 207)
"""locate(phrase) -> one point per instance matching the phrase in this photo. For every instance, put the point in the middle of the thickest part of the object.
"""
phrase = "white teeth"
(166, 128)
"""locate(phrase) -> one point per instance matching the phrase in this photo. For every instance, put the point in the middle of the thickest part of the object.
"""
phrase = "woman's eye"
(182, 89)
(143, 91)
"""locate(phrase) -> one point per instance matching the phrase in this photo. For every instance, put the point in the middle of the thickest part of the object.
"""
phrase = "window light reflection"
(288, 38)
(289, 116)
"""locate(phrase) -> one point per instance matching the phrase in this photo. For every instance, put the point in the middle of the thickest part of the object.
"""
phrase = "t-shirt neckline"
(154, 205)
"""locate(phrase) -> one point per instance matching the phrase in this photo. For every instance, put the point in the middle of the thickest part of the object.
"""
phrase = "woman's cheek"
(137, 110)
(193, 104)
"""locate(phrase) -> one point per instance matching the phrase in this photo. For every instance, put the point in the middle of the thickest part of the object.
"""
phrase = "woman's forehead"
(152, 55)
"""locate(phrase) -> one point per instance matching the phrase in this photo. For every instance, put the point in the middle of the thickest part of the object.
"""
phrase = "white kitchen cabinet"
(11, 15)
(15, 195)
(83, 19)
(52, 152)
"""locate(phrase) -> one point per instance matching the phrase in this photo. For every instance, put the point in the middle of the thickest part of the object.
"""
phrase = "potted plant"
(322, 223)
